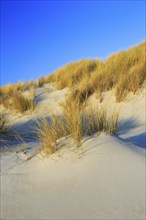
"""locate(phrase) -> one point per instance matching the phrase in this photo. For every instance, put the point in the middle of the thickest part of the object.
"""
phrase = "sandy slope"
(106, 180)
(47, 100)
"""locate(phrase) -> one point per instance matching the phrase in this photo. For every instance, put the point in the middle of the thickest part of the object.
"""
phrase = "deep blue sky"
(37, 37)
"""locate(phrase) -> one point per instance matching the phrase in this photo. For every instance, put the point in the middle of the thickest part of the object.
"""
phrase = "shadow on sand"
(23, 133)
(28, 134)
(139, 140)
(125, 126)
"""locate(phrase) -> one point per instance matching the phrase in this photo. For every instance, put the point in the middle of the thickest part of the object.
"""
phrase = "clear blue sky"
(37, 37)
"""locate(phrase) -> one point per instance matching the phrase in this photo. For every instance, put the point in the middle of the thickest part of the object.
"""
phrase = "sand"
(104, 180)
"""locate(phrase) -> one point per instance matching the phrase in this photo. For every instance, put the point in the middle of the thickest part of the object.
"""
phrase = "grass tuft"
(22, 103)
(4, 119)
(100, 120)
(48, 132)
(77, 121)
(41, 81)
(72, 113)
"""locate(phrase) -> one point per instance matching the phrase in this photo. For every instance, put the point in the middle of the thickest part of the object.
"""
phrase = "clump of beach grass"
(18, 101)
(22, 103)
(49, 131)
(76, 122)
(72, 113)
(100, 120)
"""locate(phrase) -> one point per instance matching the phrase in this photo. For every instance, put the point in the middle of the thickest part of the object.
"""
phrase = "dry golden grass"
(100, 120)
(31, 84)
(49, 132)
(76, 121)
(84, 89)
(7, 90)
(12, 97)
(41, 81)
(89, 76)
(72, 113)
(4, 119)
(32, 92)
(22, 103)
(72, 73)
(70, 123)
(6, 102)
(18, 102)
(134, 80)
(121, 89)
(112, 122)
(10, 89)
(50, 78)
(20, 86)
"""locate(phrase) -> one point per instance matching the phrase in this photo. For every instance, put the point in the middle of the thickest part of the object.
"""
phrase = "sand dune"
(107, 182)
(104, 180)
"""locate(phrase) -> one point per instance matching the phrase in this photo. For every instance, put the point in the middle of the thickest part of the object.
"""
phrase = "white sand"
(106, 182)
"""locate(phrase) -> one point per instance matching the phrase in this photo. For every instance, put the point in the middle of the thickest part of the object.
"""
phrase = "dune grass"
(124, 71)
(71, 74)
(22, 103)
(77, 121)
(18, 102)
(10, 89)
(12, 97)
(100, 120)
(6, 102)
(4, 119)
(31, 83)
(41, 81)
(69, 123)
(49, 131)
(7, 90)
(72, 113)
